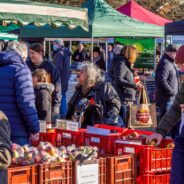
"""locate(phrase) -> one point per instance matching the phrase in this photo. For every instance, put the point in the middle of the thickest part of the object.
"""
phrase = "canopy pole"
(155, 54)
(92, 45)
(98, 41)
(165, 42)
(70, 52)
(106, 55)
(44, 46)
(49, 50)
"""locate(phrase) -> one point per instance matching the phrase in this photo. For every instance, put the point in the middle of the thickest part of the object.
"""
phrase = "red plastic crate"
(55, 173)
(68, 137)
(113, 129)
(102, 171)
(46, 137)
(154, 179)
(22, 174)
(150, 159)
(121, 169)
(105, 143)
(140, 132)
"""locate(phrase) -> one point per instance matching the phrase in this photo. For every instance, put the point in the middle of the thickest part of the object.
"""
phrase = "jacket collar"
(169, 58)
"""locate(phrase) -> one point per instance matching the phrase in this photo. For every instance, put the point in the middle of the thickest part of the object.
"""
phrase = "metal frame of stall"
(90, 40)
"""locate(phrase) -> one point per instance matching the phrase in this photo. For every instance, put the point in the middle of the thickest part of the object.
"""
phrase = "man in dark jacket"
(5, 148)
(98, 58)
(17, 98)
(37, 61)
(80, 54)
(166, 79)
(62, 62)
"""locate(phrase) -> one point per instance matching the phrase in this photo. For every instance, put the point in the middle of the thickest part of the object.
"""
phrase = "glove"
(35, 137)
(55, 114)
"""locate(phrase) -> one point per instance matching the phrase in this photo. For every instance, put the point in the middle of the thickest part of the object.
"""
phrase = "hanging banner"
(146, 49)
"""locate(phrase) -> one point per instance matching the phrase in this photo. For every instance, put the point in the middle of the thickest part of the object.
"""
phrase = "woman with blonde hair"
(123, 78)
(103, 103)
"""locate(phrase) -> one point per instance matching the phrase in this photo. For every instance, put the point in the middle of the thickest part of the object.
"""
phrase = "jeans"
(124, 113)
(20, 140)
(164, 107)
(63, 108)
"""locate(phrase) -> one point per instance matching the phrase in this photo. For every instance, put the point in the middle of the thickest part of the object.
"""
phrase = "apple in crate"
(170, 145)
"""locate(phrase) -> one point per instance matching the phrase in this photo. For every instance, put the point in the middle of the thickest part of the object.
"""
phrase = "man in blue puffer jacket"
(17, 98)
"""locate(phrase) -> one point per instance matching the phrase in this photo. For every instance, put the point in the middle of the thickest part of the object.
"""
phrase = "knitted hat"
(118, 49)
(59, 42)
(180, 55)
(171, 48)
(97, 49)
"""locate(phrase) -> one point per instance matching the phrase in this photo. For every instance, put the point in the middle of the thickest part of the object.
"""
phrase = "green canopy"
(104, 21)
(24, 12)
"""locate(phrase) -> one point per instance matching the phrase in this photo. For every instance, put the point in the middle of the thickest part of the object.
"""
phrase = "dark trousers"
(163, 107)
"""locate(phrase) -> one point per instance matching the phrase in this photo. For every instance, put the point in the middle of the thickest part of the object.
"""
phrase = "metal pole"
(44, 47)
(71, 52)
(49, 50)
(92, 44)
(106, 55)
(98, 41)
(155, 54)
(165, 42)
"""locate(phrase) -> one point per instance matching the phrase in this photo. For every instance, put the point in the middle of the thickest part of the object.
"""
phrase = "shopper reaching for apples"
(171, 118)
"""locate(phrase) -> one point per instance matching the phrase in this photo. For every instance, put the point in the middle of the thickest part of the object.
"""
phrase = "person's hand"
(35, 137)
(77, 57)
(182, 107)
(154, 137)
(139, 85)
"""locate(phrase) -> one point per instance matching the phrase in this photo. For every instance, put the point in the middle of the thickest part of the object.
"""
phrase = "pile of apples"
(45, 153)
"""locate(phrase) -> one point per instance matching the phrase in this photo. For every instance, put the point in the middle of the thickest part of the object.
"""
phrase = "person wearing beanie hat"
(98, 58)
(80, 55)
(62, 61)
(167, 82)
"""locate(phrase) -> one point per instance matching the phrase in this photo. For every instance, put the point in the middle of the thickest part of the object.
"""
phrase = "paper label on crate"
(94, 139)
(98, 131)
(68, 136)
(88, 174)
(67, 125)
(129, 150)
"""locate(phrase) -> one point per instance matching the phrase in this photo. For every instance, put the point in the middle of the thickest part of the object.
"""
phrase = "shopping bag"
(143, 114)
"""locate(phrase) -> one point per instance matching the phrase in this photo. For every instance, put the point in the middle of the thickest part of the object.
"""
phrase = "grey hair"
(93, 75)
(117, 49)
(19, 47)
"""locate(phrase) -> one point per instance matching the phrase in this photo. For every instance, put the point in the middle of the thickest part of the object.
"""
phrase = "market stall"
(134, 10)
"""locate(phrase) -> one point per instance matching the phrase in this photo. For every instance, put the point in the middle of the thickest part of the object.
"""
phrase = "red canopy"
(134, 10)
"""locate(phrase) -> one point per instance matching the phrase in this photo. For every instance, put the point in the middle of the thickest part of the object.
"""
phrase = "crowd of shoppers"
(34, 88)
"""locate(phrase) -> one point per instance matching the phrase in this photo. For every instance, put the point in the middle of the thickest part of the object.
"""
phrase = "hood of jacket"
(10, 57)
(44, 86)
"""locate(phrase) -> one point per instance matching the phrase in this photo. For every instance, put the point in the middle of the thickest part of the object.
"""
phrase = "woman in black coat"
(97, 99)
(123, 78)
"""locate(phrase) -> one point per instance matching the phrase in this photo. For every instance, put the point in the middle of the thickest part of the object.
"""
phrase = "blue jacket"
(166, 79)
(17, 98)
(55, 78)
(62, 62)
